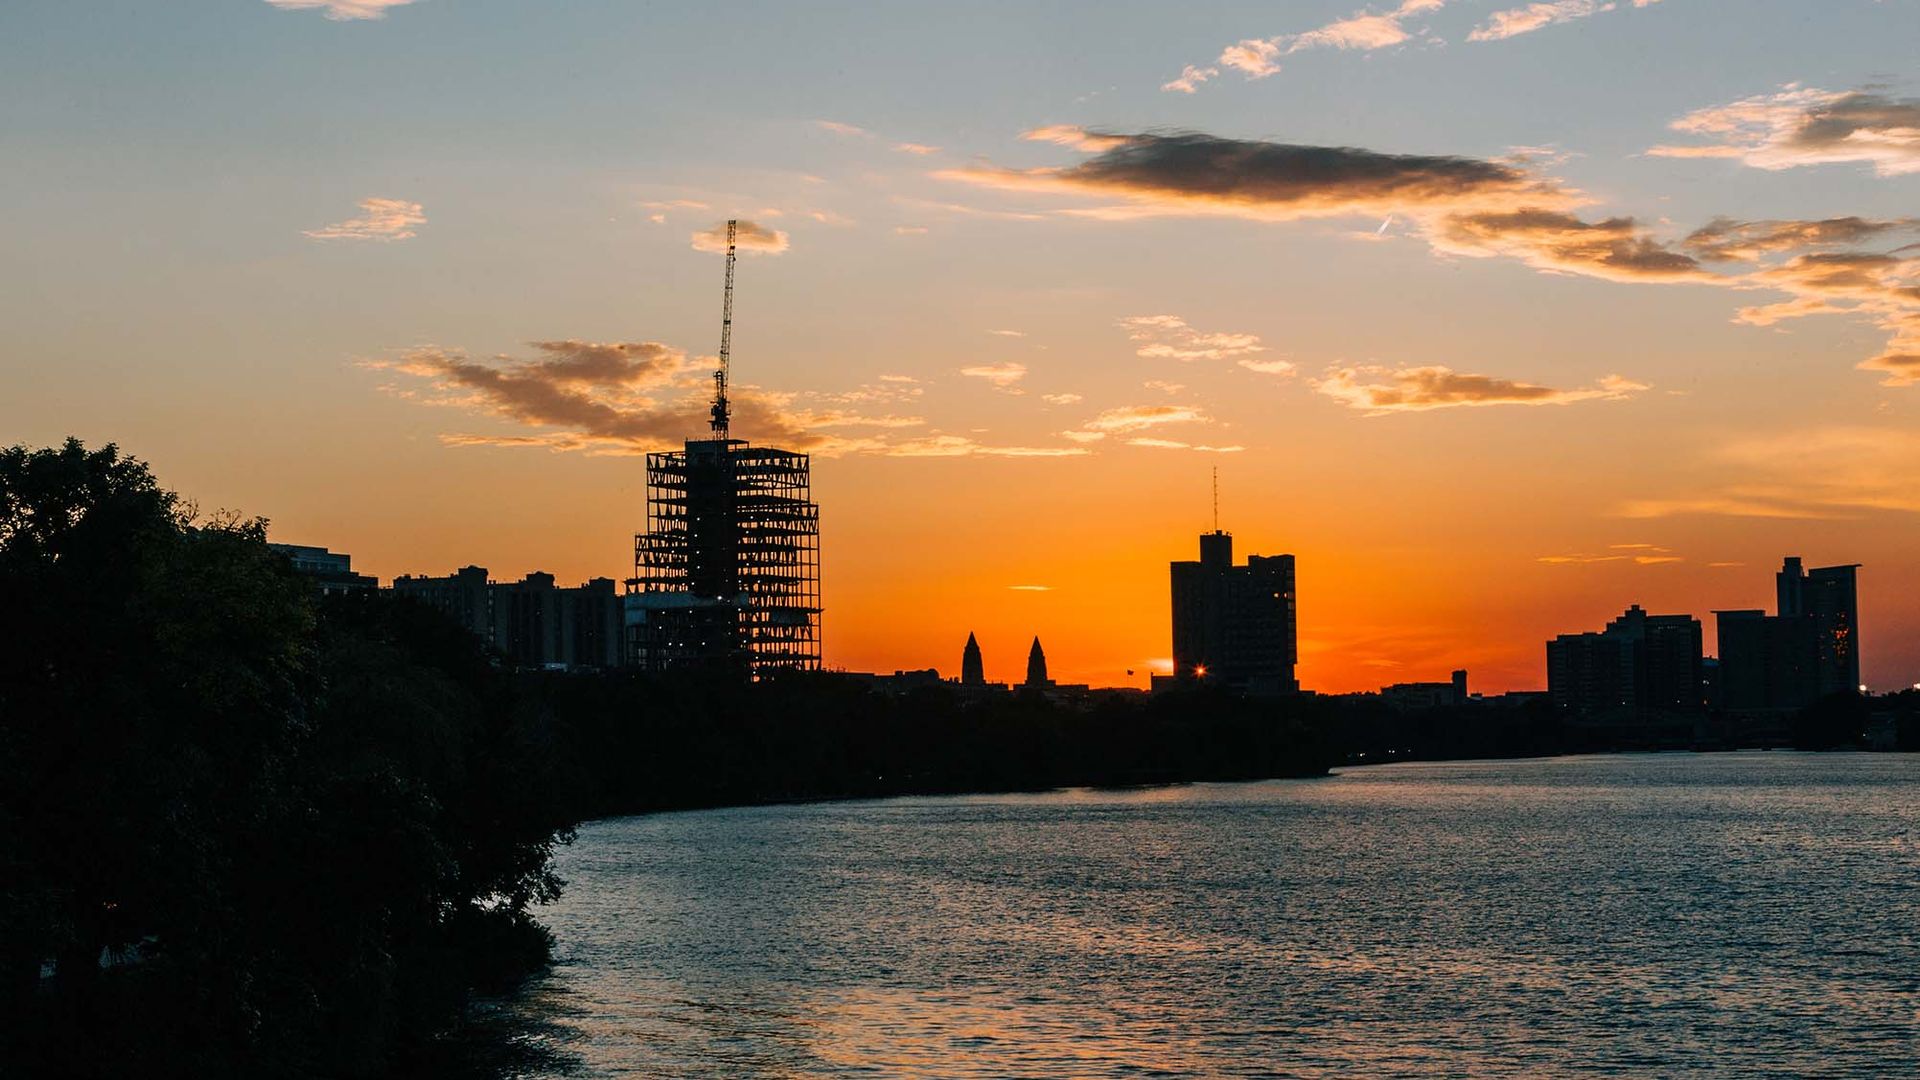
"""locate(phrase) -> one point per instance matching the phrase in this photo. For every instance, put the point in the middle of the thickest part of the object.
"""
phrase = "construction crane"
(721, 411)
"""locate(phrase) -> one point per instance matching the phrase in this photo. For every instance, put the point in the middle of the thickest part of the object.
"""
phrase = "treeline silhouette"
(241, 833)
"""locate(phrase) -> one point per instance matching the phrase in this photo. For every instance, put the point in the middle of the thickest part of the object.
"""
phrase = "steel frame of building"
(729, 567)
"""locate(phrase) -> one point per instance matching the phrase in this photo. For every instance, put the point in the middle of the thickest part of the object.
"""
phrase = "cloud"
(749, 236)
(915, 148)
(1061, 399)
(1479, 208)
(617, 396)
(381, 219)
(1009, 333)
(1884, 288)
(1168, 337)
(909, 230)
(1726, 240)
(839, 128)
(1189, 78)
(961, 446)
(1031, 588)
(1470, 207)
(1800, 126)
(1128, 418)
(1526, 19)
(1000, 375)
(1175, 444)
(1268, 367)
(1615, 248)
(1191, 173)
(342, 10)
(1163, 386)
(1639, 560)
(1257, 58)
(1418, 389)
(1819, 473)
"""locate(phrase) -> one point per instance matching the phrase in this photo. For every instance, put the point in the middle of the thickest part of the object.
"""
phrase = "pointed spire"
(972, 670)
(1037, 665)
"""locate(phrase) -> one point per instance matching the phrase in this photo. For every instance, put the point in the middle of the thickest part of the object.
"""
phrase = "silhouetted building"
(1639, 665)
(728, 572)
(465, 596)
(532, 622)
(973, 669)
(1412, 696)
(1037, 666)
(1810, 649)
(1235, 625)
(331, 571)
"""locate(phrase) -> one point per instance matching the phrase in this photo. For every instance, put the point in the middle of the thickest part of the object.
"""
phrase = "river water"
(1642, 915)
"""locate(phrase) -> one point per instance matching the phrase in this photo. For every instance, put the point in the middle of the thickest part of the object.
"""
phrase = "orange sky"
(1499, 325)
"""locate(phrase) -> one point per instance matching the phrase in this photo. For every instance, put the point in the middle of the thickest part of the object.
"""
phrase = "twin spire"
(973, 670)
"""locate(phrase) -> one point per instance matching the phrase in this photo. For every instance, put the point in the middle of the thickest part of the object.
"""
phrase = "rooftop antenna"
(1216, 498)
(721, 412)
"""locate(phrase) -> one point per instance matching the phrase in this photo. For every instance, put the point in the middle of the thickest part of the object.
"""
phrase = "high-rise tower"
(727, 573)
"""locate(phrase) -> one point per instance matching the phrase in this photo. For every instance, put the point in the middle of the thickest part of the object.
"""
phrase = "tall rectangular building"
(1639, 665)
(1235, 625)
(728, 572)
(1809, 650)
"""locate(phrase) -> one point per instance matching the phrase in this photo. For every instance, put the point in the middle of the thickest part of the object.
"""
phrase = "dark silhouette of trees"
(242, 833)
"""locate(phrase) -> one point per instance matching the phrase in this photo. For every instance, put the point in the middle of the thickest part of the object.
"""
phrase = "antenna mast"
(1216, 498)
(721, 411)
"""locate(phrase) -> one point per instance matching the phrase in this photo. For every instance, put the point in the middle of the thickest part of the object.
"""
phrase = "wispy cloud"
(1801, 126)
(1380, 391)
(1003, 375)
(380, 219)
(838, 128)
(1257, 58)
(749, 236)
(1175, 444)
(1128, 418)
(915, 148)
(1031, 588)
(1169, 337)
(1061, 399)
(1841, 471)
(962, 446)
(342, 10)
(1530, 17)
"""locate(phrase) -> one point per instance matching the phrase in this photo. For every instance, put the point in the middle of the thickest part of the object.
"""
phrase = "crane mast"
(721, 411)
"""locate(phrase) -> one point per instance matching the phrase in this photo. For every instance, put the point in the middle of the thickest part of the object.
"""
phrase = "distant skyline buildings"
(1235, 626)
(1640, 665)
(1808, 649)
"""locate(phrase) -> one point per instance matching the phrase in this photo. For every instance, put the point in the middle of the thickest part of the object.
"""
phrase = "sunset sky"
(1499, 316)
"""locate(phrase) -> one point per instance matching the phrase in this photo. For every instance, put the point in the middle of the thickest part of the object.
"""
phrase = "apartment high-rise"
(1808, 650)
(1235, 626)
(1639, 665)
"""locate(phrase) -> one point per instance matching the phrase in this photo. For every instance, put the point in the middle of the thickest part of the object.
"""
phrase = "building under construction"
(727, 573)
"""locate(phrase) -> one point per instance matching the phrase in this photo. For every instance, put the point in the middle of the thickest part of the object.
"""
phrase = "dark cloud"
(1726, 240)
(1613, 247)
(1192, 172)
(638, 395)
(1379, 390)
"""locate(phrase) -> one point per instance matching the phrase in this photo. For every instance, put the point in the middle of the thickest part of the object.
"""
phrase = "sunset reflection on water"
(1651, 915)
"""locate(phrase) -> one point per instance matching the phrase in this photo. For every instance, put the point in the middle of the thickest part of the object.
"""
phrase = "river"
(1635, 915)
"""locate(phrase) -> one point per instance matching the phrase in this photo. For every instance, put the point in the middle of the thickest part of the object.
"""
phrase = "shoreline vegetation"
(246, 830)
